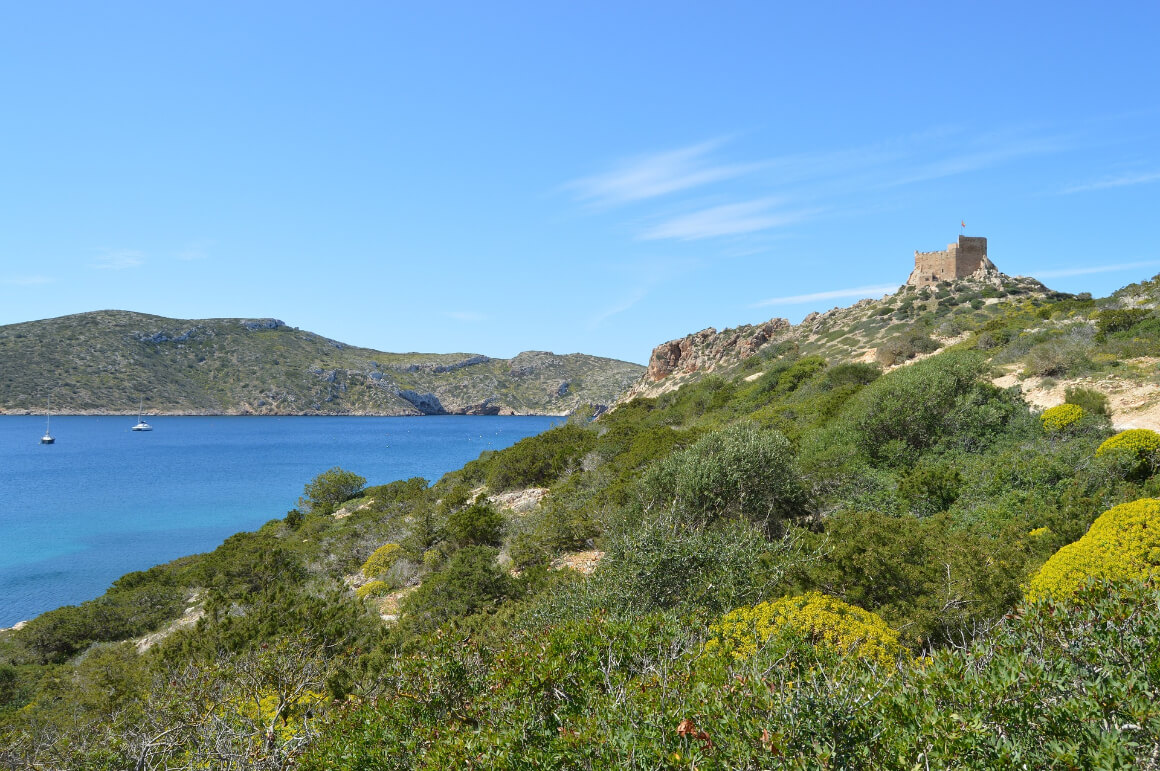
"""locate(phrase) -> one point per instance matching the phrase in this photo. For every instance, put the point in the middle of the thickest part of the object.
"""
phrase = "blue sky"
(595, 177)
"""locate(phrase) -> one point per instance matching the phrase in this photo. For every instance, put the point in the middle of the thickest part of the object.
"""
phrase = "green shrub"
(1056, 357)
(931, 488)
(327, 491)
(931, 578)
(915, 406)
(479, 524)
(818, 618)
(1123, 544)
(1089, 399)
(905, 347)
(469, 583)
(1115, 320)
(659, 562)
(1061, 416)
(740, 471)
(539, 460)
(117, 615)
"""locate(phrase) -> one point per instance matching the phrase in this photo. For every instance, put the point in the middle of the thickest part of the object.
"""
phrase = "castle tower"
(958, 260)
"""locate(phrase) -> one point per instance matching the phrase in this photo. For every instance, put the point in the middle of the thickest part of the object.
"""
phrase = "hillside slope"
(793, 556)
(107, 361)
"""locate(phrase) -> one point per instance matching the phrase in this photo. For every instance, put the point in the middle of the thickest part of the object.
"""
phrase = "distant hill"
(107, 361)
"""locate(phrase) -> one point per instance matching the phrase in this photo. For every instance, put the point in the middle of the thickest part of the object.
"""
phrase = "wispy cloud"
(26, 280)
(982, 152)
(1062, 272)
(658, 174)
(727, 220)
(834, 294)
(195, 250)
(1123, 180)
(119, 259)
(471, 316)
(620, 307)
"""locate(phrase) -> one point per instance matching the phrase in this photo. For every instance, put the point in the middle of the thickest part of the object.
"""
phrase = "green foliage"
(470, 582)
(915, 406)
(60, 633)
(659, 562)
(1089, 399)
(931, 487)
(1113, 320)
(1122, 545)
(741, 471)
(817, 618)
(905, 347)
(1054, 686)
(327, 491)
(479, 524)
(929, 579)
(1061, 416)
(539, 460)
(294, 519)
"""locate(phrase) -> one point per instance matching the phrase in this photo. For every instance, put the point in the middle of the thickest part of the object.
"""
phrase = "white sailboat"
(47, 438)
(141, 424)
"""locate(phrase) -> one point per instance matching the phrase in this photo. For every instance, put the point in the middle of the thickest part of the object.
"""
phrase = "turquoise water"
(105, 500)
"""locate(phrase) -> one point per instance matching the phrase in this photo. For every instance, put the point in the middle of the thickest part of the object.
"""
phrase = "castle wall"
(972, 253)
(956, 261)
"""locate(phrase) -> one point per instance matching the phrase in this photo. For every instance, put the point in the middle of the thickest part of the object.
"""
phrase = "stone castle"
(958, 260)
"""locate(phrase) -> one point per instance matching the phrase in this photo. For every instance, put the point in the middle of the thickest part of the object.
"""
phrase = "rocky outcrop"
(427, 403)
(709, 348)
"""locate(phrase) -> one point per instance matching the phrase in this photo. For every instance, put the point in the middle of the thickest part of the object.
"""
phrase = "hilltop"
(107, 361)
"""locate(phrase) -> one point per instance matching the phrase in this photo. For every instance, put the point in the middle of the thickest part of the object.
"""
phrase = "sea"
(104, 500)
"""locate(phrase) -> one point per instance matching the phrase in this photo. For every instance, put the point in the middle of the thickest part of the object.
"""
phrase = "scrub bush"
(1091, 400)
(1140, 441)
(1123, 544)
(1138, 445)
(382, 560)
(739, 471)
(814, 617)
(328, 490)
(1061, 416)
(373, 589)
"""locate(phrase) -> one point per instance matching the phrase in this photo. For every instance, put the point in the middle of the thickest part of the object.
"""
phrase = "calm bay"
(105, 500)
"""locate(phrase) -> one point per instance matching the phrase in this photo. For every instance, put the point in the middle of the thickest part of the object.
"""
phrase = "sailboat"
(47, 438)
(141, 424)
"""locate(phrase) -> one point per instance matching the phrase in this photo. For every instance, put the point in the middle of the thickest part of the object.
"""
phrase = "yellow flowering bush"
(1123, 544)
(381, 560)
(1140, 441)
(288, 723)
(816, 617)
(1039, 531)
(1060, 417)
(372, 589)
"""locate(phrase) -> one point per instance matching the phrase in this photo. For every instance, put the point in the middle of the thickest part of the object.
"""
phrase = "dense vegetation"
(820, 566)
(111, 361)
